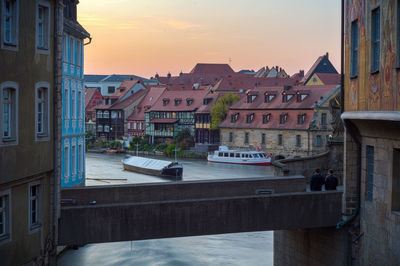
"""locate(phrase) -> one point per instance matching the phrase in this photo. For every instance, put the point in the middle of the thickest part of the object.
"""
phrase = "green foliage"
(184, 139)
(115, 144)
(170, 150)
(220, 109)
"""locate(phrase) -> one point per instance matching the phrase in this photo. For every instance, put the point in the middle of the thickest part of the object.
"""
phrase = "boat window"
(237, 155)
(262, 155)
(231, 155)
(225, 154)
(220, 154)
(246, 155)
(256, 156)
(250, 156)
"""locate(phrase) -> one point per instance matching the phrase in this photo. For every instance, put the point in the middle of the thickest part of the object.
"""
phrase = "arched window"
(42, 117)
(8, 113)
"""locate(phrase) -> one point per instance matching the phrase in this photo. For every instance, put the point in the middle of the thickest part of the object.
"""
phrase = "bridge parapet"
(212, 211)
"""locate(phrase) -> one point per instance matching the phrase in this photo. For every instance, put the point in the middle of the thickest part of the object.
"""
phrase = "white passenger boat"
(224, 155)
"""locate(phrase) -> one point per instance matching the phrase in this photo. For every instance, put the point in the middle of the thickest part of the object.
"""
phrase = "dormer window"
(189, 101)
(250, 118)
(251, 98)
(266, 118)
(301, 118)
(286, 97)
(269, 97)
(283, 118)
(165, 102)
(234, 117)
(300, 96)
(207, 101)
(177, 101)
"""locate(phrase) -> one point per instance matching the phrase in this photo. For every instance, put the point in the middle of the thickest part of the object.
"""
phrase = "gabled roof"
(273, 123)
(124, 88)
(94, 78)
(206, 108)
(314, 95)
(237, 83)
(195, 95)
(202, 68)
(329, 78)
(322, 65)
(89, 92)
(153, 93)
(128, 101)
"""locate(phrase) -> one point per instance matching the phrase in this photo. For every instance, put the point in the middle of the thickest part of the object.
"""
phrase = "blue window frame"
(246, 140)
(354, 49)
(319, 141)
(376, 33)
(298, 140)
(370, 172)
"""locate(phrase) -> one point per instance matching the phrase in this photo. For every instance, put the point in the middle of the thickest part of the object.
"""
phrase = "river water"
(255, 248)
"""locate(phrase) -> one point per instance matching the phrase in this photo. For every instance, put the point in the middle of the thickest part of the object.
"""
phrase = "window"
(78, 52)
(100, 128)
(111, 89)
(375, 40)
(114, 114)
(73, 160)
(246, 138)
(301, 118)
(251, 98)
(106, 114)
(42, 110)
(354, 49)
(189, 102)
(66, 162)
(280, 139)
(178, 101)
(5, 216)
(9, 25)
(269, 97)
(266, 118)
(370, 172)
(234, 117)
(298, 140)
(230, 136)
(263, 138)
(71, 50)
(73, 104)
(250, 118)
(66, 101)
(106, 128)
(283, 118)
(301, 96)
(323, 119)
(396, 180)
(8, 113)
(80, 160)
(99, 114)
(165, 102)
(34, 206)
(319, 141)
(42, 26)
(79, 104)
(286, 97)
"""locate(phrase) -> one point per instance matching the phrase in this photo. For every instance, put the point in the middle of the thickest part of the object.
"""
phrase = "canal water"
(255, 248)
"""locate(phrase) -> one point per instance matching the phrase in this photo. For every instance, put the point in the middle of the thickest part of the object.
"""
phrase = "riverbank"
(189, 155)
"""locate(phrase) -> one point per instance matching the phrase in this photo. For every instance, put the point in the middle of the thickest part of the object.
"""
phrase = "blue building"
(73, 95)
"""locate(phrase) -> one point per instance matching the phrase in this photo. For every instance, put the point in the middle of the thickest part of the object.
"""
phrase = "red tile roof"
(329, 78)
(237, 83)
(196, 95)
(124, 88)
(89, 92)
(273, 123)
(315, 94)
(222, 69)
(164, 120)
(147, 102)
(102, 107)
(212, 99)
(130, 100)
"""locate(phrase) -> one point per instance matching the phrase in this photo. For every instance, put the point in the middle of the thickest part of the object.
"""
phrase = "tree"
(220, 109)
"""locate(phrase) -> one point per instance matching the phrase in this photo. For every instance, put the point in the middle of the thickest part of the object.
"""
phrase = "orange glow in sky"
(145, 37)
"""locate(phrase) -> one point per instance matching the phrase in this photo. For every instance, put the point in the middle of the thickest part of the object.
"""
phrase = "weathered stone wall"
(380, 224)
(288, 149)
(324, 246)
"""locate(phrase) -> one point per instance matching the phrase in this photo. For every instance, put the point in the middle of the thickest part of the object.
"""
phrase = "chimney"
(276, 68)
(301, 72)
(327, 55)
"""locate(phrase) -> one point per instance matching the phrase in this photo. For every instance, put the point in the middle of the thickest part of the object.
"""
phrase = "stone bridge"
(191, 208)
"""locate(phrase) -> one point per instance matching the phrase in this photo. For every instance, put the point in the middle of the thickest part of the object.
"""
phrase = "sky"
(145, 37)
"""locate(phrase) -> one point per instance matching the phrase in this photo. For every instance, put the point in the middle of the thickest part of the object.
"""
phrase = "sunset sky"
(145, 37)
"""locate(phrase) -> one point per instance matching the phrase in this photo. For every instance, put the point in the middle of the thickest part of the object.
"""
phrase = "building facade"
(285, 122)
(73, 111)
(28, 185)
(372, 120)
